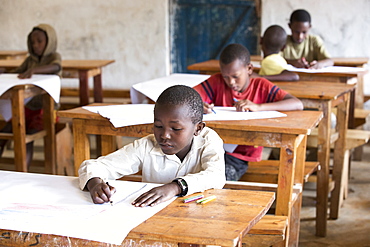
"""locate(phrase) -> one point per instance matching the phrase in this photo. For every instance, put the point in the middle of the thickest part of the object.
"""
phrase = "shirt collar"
(198, 142)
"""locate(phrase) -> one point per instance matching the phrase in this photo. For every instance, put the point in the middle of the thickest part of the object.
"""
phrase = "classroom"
(135, 38)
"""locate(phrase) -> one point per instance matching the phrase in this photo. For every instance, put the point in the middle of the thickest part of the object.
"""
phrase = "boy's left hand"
(27, 74)
(157, 195)
(245, 106)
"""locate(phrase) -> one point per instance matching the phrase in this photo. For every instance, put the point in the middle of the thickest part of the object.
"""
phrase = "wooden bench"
(266, 171)
(360, 116)
(355, 138)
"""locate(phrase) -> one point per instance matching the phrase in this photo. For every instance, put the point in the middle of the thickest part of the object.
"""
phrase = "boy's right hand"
(300, 63)
(207, 108)
(100, 192)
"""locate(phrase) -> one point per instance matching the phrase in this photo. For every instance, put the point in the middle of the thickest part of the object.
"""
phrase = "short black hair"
(183, 95)
(233, 52)
(300, 15)
(274, 38)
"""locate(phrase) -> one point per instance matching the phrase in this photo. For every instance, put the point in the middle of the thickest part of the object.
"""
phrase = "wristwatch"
(183, 186)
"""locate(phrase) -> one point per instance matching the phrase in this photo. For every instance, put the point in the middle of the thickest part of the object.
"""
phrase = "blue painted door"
(200, 29)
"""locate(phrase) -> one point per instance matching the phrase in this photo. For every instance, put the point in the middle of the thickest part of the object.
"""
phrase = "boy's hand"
(100, 192)
(315, 65)
(157, 195)
(26, 75)
(246, 105)
(300, 63)
(207, 108)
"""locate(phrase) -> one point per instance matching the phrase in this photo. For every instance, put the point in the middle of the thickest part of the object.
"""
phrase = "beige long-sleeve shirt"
(203, 167)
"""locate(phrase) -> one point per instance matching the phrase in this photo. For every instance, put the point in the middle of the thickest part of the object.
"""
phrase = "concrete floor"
(351, 229)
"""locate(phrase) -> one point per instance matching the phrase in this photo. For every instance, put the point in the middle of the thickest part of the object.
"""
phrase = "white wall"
(135, 32)
(132, 32)
(344, 25)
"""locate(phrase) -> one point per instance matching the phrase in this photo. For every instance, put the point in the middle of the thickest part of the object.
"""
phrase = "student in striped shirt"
(234, 87)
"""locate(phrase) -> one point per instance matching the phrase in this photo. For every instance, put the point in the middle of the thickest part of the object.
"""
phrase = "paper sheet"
(229, 113)
(153, 88)
(51, 204)
(50, 83)
(330, 69)
(133, 114)
(125, 115)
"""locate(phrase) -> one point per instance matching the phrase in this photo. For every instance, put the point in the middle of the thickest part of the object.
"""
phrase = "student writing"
(254, 94)
(42, 59)
(304, 50)
(182, 154)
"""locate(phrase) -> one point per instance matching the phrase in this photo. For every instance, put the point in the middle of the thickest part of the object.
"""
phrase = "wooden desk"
(338, 61)
(222, 222)
(325, 96)
(7, 55)
(17, 95)
(287, 133)
(82, 69)
(212, 66)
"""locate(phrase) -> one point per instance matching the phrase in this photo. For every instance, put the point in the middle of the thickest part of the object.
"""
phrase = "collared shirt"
(202, 168)
(312, 48)
(273, 64)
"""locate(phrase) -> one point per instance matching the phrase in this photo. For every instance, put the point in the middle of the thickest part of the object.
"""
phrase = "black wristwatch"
(183, 186)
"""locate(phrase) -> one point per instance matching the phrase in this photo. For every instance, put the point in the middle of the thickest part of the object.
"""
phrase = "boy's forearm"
(326, 62)
(47, 69)
(283, 76)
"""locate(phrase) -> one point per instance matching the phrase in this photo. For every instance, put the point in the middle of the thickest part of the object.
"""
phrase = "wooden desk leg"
(98, 89)
(84, 87)
(108, 144)
(19, 130)
(323, 155)
(285, 180)
(49, 139)
(341, 160)
(81, 143)
(294, 221)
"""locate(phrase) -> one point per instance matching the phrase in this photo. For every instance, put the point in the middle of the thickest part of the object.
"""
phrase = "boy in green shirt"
(304, 50)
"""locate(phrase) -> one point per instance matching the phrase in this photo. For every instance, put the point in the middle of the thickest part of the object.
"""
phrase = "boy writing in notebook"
(304, 50)
(234, 87)
(182, 154)
(42, 59)
(273, 65)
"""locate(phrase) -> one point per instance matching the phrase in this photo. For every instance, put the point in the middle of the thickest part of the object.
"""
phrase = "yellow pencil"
(208, 200)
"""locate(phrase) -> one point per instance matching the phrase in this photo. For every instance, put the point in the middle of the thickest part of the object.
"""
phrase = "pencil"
(208, 200)
(193, 198)
(111, 202)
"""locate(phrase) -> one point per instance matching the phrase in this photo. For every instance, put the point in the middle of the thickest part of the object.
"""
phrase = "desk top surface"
(296, 122)
(213, 66)
(232, 213)
(316, 89)
(220, 222)
(12, 53)
(66, 64)
(338, 61)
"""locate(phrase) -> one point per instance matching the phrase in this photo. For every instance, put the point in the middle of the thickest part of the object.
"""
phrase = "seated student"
(233, 87)
(273, 65)
(304, 50)
(182, 154)
(43, 59)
